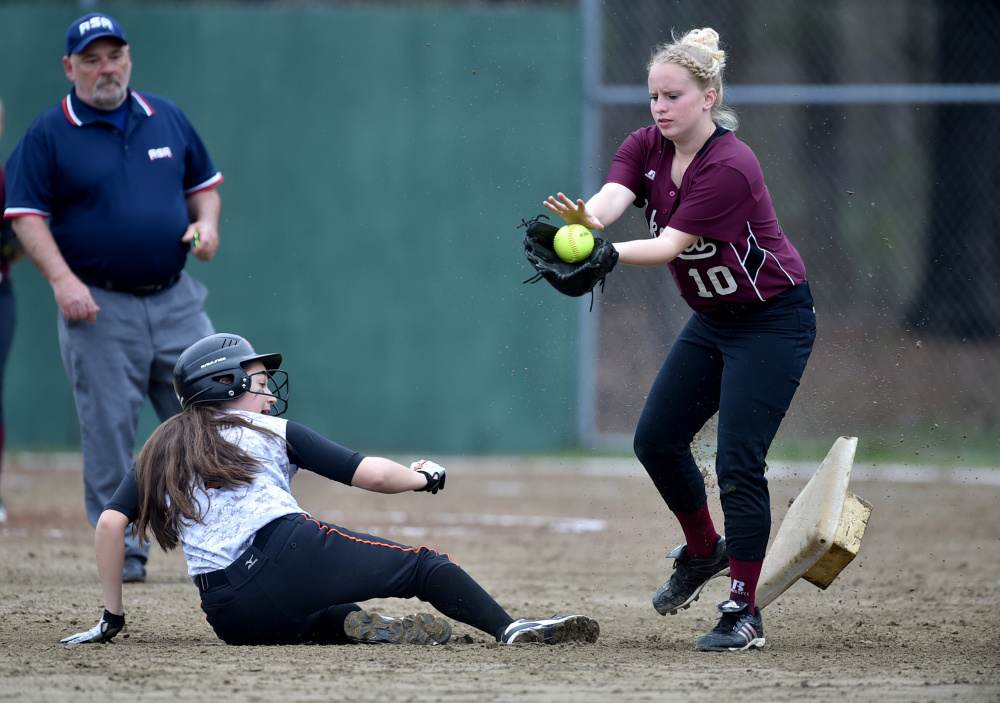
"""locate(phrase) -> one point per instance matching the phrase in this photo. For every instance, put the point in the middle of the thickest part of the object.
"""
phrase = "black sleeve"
(312, 451)
(126, 497)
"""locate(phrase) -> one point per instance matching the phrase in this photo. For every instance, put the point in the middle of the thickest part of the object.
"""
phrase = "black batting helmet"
(213, 369)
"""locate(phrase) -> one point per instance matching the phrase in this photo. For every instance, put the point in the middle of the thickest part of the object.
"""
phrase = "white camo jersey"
(232, 517)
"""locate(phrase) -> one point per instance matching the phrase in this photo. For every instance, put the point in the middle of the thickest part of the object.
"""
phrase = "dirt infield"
(915, 617)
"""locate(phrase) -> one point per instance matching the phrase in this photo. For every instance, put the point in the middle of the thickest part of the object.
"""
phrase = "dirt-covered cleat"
(689, 577)
(559, 628)
(373, 628)
(738, 629)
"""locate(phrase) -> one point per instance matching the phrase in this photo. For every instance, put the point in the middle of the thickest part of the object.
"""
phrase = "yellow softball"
(573, 243)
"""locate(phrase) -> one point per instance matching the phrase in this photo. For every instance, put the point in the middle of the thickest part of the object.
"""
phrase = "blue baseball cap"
(91, 27)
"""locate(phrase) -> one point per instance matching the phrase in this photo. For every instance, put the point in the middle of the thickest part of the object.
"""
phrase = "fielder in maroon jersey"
(744, 349)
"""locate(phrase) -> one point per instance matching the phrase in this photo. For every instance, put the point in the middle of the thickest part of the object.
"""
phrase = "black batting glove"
(435, 475)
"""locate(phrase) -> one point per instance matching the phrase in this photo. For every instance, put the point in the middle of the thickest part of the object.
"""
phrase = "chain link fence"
(877, 125)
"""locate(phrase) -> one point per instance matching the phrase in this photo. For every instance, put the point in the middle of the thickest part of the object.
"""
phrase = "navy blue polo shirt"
(117, 201)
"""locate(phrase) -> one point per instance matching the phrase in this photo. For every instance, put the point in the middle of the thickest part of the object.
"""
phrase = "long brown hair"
(182, 456)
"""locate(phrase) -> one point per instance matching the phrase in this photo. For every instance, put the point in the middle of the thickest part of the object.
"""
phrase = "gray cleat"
(134, 570)
(560, 628)
(738, 629)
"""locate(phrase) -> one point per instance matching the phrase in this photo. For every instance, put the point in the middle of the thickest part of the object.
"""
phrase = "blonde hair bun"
(706, 39)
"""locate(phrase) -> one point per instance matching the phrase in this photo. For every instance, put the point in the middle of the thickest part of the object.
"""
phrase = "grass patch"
(955, 449)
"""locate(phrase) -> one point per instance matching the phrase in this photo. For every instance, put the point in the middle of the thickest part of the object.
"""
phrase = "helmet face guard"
(212, 370)
(277, 386)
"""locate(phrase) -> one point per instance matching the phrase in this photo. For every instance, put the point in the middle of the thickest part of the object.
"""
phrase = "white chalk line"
(508, 470)
(591, 467)
(416, 524)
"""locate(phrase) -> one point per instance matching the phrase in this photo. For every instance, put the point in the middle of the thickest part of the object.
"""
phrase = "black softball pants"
(301, 581)
(746, 365)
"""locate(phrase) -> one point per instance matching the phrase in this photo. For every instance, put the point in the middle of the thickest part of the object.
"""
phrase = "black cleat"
(737, 629)
(689, 577)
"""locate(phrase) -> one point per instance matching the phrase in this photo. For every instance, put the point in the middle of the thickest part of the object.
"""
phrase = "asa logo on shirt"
(651, 175)
(162, 152)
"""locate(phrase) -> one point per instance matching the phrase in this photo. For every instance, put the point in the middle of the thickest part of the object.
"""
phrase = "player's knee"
(653, 450)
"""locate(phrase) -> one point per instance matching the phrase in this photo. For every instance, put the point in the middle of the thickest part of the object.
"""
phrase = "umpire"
(108, 192)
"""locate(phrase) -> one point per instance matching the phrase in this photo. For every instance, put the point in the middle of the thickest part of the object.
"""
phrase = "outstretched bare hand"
(574, 213)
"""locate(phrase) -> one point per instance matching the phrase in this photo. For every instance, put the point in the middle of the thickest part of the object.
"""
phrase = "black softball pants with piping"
(301, 578)
(745, 364)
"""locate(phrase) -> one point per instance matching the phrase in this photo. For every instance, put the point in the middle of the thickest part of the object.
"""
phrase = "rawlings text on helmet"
(214, 361)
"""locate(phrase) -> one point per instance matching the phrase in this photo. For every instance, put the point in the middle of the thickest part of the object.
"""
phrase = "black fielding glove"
(569, 279)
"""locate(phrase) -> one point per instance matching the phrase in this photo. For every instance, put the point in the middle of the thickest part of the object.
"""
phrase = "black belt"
(735, 311)
(140, 291)
(219, 578)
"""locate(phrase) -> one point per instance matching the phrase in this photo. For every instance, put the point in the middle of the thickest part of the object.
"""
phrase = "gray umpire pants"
(127, 354)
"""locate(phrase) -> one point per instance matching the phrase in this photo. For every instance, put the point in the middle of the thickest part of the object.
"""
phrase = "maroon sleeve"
(627, 167)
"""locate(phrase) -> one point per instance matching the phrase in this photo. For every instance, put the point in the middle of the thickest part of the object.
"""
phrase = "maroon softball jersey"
(741, 255)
